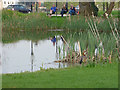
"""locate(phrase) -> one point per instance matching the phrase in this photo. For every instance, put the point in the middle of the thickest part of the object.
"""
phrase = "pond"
(26, 55)
(40, 51)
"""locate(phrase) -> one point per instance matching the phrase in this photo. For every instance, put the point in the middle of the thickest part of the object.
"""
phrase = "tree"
(88, 8)
(106, 6)
(110, 8)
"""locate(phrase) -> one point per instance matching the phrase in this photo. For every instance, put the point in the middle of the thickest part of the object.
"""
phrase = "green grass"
(101, 76)
(12, 20)
(114, 13)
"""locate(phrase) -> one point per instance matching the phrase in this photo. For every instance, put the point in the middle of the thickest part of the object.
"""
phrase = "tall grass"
(13, 20)
(87, 40)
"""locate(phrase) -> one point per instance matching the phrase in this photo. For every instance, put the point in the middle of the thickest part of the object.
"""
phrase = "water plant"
(87, 45)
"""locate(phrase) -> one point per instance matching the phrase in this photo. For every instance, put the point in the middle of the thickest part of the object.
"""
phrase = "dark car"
(19, 8)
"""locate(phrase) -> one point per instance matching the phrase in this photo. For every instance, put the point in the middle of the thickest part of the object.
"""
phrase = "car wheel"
(19, 10)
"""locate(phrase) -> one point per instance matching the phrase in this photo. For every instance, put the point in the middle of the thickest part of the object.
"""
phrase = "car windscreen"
(20, 7)
(9, 7)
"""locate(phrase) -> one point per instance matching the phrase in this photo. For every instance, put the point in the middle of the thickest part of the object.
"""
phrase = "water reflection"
(32, 59)
(30, 56)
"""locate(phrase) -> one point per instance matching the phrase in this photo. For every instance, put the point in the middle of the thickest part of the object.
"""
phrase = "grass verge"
(101, 76)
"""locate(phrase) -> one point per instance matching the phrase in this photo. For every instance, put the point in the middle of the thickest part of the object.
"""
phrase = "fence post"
(36, 6)
(56, 7)
(31, 7)
(103, 5)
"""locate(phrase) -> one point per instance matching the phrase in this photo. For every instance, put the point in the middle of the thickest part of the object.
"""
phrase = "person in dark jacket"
(72, 10)
(64, 10)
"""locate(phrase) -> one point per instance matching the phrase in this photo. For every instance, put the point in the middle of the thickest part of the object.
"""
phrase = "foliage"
(12, 20)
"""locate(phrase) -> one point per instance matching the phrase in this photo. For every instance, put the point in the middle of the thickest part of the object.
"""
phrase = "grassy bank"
(16, 26)
(101, 76)
(18, 21)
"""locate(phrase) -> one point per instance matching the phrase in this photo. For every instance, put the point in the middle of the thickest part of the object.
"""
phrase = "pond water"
(26, 55)
(41, 50)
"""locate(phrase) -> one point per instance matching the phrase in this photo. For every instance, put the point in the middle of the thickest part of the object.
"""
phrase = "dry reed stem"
(79, 48)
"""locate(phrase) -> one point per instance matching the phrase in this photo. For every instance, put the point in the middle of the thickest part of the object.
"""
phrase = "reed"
(39, 21)
(88, 39)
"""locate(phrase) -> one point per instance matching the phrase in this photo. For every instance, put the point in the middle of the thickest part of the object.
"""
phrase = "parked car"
(19, 8)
